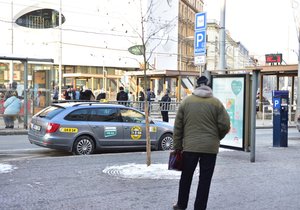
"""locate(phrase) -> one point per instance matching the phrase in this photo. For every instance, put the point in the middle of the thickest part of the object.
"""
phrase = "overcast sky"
(262, 26)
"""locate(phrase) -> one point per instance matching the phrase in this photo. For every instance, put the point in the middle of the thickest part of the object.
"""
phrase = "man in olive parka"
(201, 122)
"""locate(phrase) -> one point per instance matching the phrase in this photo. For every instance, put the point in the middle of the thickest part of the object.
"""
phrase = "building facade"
(89, 42)
(236, 54)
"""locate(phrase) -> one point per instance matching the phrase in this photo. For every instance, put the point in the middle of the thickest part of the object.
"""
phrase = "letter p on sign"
(200, 42)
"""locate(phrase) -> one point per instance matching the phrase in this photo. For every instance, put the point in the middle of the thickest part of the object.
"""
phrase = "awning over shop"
(166, 73)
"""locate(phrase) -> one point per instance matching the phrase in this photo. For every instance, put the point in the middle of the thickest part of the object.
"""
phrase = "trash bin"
(280, 100)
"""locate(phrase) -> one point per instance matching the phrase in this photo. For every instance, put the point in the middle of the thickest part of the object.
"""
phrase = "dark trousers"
(207, 164)
(9, 121)
(165, 116)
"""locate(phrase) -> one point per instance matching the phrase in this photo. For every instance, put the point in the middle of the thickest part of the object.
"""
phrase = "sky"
(262, 26)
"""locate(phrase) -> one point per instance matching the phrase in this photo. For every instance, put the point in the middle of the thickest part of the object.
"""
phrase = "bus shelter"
(24, 61)
(179, 83)
(277, 77)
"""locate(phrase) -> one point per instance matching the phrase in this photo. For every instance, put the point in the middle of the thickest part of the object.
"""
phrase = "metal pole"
(60, 52)
(255, 77)
(222, 36)
(180, 67)
(25, 94)
(104, 74)
(298, 85)
(11, 64)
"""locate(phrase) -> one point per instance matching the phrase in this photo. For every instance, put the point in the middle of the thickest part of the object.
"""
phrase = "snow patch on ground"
(142, 171)
(6, 168)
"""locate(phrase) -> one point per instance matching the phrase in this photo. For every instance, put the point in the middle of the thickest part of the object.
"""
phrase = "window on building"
(40, 19)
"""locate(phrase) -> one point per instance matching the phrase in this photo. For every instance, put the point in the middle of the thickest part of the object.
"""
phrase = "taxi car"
(84, 127)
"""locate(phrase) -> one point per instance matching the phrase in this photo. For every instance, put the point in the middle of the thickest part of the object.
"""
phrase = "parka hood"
(203, 92)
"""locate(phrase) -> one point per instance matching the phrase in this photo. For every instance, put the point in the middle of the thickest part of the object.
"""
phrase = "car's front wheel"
(166, 142)
(83, 145)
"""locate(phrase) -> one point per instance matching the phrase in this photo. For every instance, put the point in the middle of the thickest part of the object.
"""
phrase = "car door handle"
(94, 126)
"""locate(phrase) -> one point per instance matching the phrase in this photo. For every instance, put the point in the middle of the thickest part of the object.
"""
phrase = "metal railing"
(155, 107)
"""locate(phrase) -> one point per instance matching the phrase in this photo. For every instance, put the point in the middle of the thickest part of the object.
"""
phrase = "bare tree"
(152, 32)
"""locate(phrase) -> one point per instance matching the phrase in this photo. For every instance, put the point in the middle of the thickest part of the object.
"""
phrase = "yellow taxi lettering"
(68, 130)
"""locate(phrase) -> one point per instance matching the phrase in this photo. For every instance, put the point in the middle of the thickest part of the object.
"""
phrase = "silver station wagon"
(84, 127)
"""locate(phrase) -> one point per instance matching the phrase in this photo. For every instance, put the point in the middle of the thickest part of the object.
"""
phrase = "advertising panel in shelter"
(230, 90)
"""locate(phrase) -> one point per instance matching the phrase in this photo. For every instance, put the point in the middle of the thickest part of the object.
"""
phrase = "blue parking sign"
(200, 43)
(276, 103)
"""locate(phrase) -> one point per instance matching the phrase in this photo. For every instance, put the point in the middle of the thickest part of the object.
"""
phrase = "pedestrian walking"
(12, 107)
(130, 99)
(85, 94)
(122, 96)
(77, 94)
(101, 95)
(165, 106)
(141, 99)
(150, 97)
(200, 123)
(55, 93)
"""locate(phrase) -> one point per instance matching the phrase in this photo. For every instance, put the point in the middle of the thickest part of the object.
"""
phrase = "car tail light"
(52, 127)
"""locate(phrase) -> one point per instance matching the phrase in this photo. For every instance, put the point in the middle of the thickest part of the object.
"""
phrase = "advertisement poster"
(230, 91)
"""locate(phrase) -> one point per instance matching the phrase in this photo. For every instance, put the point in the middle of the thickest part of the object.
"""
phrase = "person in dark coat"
(122, 96)
(165, 106)
(201, 123)
(141, 100)
(86, 94)
(89, 95)
(101, 95)
(150, 97)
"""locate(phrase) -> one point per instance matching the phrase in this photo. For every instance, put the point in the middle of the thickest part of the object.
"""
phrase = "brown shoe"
(176, 207)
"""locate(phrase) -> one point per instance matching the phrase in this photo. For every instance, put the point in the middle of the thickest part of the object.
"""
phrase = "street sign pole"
(200, 40)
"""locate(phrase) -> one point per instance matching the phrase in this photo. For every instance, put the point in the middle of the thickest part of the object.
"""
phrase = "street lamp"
(295, 7)
(104, 75)
(222, 36)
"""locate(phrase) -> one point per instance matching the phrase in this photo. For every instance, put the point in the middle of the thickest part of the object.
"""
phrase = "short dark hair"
(121, 88)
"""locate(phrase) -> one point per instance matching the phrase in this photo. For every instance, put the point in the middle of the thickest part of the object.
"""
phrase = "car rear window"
(50, 112)
(78, 115)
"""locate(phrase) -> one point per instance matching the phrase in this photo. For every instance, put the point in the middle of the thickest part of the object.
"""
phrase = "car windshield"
(50, 112)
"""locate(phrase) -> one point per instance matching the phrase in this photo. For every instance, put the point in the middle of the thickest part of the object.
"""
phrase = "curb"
(6, 132)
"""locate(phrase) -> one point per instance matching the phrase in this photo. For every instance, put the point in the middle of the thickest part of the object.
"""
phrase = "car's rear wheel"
(84, 145)
(166, 142)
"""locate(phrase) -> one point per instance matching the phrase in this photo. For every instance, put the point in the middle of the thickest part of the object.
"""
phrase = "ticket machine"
(280, 100)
